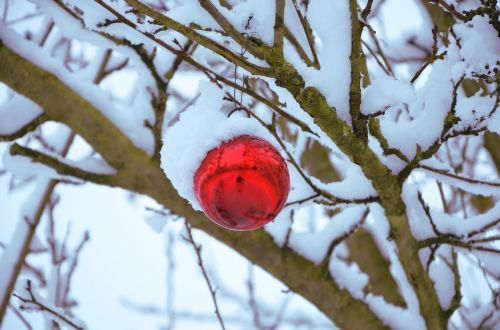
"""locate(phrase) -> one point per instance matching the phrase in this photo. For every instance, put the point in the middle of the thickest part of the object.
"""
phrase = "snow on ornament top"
(201, 129)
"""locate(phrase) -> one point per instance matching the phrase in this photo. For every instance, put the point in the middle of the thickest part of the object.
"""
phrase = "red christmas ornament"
(243, 183)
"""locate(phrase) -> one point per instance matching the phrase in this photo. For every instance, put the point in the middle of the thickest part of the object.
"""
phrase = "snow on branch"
(91, 170)
(19, 116)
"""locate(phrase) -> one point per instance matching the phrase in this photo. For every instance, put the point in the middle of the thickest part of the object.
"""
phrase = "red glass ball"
(243, 183)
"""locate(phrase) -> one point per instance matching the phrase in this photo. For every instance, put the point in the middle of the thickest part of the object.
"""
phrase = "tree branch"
(59, 166)
(197, 250)
(29, 127)
(309, 34)
(142, 175)
(32, 302)
(210, 73)
(459, 177)
(279, 27)
(358, 123)
(451, 9)
(193, 35)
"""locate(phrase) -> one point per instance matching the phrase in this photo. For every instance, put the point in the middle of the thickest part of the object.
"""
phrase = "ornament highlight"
(243, 183)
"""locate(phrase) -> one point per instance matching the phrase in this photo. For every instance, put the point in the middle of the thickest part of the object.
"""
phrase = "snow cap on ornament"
(229, 168)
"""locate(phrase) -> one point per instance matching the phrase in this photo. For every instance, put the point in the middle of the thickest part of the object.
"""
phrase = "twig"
(251, 299)
(358, 122)
(72, 268)
(210, 73)
(28, 238)
(324, 264)
(378, 47)
(289, 230)
(43, 308)
(272, 129)
(456, 242)
(429, 215)
(279, 27)
(193, 35)
(367, 10)
(459, 177)
(457, 297)
(23, 130)
(434, 56)
(303, 200)
(59, 166)
(451, 9)
(197, 250)
(308, 32)
(375, 57)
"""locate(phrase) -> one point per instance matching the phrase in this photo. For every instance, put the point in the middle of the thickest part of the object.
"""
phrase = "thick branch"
(142, 175)
(387, 186)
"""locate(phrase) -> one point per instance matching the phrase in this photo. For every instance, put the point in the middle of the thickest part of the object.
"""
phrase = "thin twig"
(451, 9)
(459, 177)
(279, 27)
(197, 250)
(252, 302)
(308, 32)
(43, 308)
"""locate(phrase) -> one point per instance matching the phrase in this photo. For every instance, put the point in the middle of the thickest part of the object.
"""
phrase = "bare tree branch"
(197, 250)
(33, 303)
